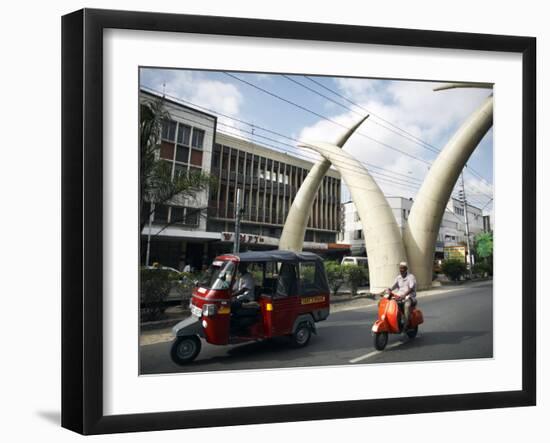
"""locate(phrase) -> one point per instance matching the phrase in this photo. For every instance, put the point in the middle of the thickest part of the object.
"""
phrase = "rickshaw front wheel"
(185, 349)
(301, 336)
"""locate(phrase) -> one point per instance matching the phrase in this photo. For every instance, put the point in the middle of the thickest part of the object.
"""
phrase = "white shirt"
(246, 280)
(402, 284)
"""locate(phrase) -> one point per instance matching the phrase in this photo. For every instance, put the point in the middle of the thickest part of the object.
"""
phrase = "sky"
(408, 121)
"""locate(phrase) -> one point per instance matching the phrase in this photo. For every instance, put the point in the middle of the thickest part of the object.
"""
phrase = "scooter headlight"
(209, 310)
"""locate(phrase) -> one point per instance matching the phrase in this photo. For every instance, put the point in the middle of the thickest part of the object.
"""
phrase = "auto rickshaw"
(291, 294)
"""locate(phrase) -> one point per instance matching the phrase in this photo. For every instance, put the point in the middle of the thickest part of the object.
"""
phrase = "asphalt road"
(457, 325)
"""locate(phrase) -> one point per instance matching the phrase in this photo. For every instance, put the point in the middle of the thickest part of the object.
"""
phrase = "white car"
(359, 261)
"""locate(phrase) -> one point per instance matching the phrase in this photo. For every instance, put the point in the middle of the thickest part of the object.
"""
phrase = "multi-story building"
(195, 230)
(452, 231)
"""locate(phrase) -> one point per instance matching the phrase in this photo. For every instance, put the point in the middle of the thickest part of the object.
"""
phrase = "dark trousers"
(406, 310)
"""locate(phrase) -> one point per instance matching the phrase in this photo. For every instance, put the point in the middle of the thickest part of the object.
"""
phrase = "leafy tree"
(484, 244)
(454, 269)
(335, 276)
(156, 183)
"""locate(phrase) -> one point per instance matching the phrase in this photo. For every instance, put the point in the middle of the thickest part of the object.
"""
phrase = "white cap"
(403, 263)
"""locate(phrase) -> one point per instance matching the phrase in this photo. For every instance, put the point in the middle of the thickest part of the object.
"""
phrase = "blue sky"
(394, 106)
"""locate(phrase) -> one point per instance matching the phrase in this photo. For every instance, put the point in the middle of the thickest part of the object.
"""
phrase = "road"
(457, 325)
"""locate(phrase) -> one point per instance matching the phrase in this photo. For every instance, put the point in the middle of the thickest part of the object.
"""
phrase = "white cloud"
(412, 106)
(222, 97)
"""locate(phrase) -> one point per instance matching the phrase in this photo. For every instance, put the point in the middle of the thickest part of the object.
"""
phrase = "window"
(167, 150)
(358, 234)
(192, 217)
(286, 284)
(459, 210)
(182, 154)
(312, 280)
(169, 130)
(180, 170)
(161, 214)
(176, 215)
(184, 132)
(198, 138)
(356, 216)
(216, 160)
(196, 157)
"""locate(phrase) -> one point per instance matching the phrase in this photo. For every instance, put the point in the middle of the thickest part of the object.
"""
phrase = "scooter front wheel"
(185, 349)
(380, 340)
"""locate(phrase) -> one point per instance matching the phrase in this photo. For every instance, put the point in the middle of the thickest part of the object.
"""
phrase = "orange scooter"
(389, 320)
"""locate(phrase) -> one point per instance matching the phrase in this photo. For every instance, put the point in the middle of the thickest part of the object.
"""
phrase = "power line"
(418, 139)
(403, 134)
(303, 108)
(370, 165)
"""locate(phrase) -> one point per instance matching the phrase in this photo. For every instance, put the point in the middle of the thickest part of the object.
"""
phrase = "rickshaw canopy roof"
(278, 256)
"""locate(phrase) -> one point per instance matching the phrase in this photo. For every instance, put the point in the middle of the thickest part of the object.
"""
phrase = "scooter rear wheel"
(380, 340)
(185, 349)
(411, 333)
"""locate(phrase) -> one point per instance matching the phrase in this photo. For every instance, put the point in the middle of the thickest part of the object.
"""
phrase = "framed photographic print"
(269, 221)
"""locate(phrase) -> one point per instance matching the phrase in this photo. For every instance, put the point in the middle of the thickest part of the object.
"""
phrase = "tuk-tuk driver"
(245, 285)
(405, 283)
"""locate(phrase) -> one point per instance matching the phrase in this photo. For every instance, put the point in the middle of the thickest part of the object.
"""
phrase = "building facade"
(193, 231)
(452, 231)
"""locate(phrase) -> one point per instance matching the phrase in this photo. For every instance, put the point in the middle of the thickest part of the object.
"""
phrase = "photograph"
(291, 220)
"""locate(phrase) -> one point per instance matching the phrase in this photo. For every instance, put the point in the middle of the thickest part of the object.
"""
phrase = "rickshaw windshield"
(219, 275)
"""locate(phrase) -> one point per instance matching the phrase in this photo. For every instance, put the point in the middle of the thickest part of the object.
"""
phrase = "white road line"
(373, 353)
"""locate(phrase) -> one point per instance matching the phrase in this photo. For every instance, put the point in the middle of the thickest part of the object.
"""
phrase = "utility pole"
(148, 253)
(237, 240)
(467, 225)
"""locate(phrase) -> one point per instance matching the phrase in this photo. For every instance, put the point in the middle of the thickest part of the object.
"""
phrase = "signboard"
(455, 253)
(253, 239)
(249, 239)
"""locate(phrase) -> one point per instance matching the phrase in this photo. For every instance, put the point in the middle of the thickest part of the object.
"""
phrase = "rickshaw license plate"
(196, 311)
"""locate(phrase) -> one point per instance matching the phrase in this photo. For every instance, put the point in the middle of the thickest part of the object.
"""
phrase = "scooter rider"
(405, 283)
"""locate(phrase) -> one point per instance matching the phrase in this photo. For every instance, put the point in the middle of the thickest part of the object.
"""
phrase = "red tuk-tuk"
(290, 295)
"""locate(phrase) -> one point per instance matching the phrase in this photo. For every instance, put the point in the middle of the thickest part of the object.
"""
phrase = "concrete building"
(452, 231)
(196, 230)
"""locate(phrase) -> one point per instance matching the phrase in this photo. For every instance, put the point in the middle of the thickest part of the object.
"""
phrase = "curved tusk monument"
(294, 229)
(382, 234)
(421, 231)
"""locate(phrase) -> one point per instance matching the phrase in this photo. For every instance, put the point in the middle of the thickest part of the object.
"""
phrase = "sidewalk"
(162, 334)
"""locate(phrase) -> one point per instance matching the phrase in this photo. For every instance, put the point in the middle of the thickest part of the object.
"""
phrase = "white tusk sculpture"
(382, 234)
(294, 230)
(422, 228)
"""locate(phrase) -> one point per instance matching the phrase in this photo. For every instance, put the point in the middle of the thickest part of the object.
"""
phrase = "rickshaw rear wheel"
(301, 335)
(411, 333)
(380, 340)
(185, 349)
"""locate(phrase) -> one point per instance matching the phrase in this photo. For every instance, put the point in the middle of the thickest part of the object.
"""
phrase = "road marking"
(373, 353)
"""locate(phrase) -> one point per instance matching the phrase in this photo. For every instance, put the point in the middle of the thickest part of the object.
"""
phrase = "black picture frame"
(82, 215)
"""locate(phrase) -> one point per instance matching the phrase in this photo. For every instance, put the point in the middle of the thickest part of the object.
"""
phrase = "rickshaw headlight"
(208, 310)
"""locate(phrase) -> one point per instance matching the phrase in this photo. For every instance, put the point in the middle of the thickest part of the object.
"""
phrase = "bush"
(335, 276)
(453, 269)
(155, 285)
(480, 269)
(354, 276)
